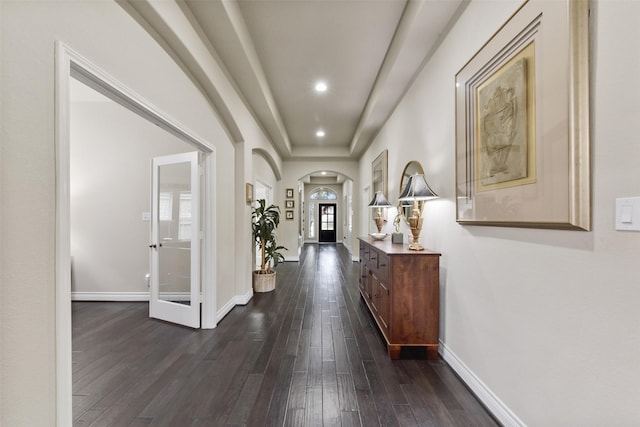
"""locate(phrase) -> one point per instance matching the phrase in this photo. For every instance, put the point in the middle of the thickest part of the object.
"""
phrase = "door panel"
(175, 242)
(327, 222)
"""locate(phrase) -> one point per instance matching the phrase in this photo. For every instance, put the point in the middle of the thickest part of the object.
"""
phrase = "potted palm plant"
(265, 220)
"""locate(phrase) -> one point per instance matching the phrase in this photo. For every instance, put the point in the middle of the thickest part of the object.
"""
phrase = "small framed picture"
(249, 193)
(289, 193)
(288, 204)
(288, 215)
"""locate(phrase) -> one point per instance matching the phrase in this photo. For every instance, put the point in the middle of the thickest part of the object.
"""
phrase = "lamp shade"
(379, 200)
(417, 189)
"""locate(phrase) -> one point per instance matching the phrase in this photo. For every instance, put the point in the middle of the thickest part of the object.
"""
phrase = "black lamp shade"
(379, 200)
(417, 189)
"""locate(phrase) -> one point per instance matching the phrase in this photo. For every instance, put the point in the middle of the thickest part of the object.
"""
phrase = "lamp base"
(415, 246)
(379, 223)
(415, 237)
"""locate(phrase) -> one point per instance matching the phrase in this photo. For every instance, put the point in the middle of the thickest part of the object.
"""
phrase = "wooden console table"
(401, 289)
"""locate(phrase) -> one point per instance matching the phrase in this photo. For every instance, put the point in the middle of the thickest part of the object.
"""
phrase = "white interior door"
(175, 240)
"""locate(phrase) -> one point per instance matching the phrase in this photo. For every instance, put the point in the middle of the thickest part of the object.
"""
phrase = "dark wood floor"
(306, 354)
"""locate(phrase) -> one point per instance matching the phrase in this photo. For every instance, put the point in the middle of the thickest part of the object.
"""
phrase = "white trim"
(237, 300)
(144, 297)
(69, 63)
(292, 258)
(110, 296)
(244, 299)
(210, 266)
(64, 388)
(493, 403)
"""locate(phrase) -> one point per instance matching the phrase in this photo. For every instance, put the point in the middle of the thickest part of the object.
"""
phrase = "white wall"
(111, 152)
(263, 172)
(547, 320)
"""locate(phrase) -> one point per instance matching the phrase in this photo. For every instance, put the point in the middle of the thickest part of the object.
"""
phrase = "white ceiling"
(273, 51)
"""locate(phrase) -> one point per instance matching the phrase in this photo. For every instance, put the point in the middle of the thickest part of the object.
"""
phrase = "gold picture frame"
(522, 124)
(248, 190)
(379, 177)
(379, 173)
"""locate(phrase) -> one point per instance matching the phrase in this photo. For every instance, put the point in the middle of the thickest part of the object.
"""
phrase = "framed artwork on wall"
(289, 193)
(379, 174)
(289, 215)
(248, 193)
(288, 204)
(522, 122)
(379, 179)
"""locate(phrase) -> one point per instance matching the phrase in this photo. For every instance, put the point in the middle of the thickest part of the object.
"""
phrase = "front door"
(327, 222)
(175, 240)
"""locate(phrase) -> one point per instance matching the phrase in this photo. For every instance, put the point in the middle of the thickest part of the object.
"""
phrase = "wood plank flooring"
(306, 354)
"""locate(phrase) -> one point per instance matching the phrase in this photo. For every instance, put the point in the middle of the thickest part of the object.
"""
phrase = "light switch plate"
(146, 216)
(628, 214)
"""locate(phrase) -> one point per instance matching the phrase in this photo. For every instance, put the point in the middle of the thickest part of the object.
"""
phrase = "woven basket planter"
(264, 282)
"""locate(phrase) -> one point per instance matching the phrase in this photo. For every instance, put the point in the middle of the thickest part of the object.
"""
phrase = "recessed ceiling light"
(320, 133)
(321, 86)
(323, 172)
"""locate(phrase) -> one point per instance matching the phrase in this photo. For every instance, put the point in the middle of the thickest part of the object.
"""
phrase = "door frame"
(69, 64)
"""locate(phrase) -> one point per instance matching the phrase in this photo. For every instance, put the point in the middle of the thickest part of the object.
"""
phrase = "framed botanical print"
(522, 122)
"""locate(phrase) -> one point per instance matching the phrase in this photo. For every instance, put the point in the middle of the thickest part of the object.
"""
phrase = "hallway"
(306, 354)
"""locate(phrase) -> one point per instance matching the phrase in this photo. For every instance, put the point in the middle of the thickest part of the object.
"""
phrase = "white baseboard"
(144, 296)
(109, 296)
(291, 258)
(126, 296)
(237, 300)
(484, 393)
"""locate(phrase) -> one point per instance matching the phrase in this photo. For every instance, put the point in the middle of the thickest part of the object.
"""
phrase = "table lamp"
(379, 201)
(417, 190)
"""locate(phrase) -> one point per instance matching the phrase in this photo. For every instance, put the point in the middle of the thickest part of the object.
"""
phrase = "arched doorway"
(322, 214)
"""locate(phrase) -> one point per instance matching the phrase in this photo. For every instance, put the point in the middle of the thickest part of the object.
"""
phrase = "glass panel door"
(327, 222)
(175, 242)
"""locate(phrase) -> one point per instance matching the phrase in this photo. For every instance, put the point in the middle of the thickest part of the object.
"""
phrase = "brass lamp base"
(415, 222)
(379, 223)
(415, 243)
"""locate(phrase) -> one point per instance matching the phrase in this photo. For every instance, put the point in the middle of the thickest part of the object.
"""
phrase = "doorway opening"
(70, 65)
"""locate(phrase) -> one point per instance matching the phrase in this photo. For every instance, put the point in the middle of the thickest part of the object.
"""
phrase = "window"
(165, 207)
(327, 219)
(184, 217)
(312, 222)
(323, 194)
